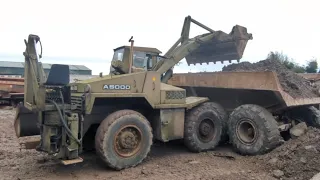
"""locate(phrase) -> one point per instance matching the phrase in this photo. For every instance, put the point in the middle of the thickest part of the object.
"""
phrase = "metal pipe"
(201, 25)
(131, 55)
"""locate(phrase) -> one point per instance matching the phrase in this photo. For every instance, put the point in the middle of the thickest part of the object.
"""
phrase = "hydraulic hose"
(64, 123)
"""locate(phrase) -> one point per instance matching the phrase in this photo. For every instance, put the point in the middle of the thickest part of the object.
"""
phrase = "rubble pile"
(293, 84)
(296, 159)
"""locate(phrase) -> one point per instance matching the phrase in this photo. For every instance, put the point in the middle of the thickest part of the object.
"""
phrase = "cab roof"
(144, 49)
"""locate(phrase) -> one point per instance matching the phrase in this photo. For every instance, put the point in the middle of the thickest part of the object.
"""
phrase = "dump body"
(232, 89)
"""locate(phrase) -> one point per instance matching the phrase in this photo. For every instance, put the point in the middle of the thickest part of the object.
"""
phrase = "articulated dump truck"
(121, 114)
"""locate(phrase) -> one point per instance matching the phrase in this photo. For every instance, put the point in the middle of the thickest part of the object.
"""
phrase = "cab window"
(118, 55)
(142, 60)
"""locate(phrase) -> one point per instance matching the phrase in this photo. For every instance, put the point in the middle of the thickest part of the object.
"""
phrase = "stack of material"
(292, 83)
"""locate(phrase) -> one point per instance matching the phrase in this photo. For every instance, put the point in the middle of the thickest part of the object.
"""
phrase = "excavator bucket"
(25, 122)
(222, 47)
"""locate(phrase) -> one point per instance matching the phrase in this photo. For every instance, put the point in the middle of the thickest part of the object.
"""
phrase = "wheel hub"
(127, 141)
(246, 132)
(206, 130)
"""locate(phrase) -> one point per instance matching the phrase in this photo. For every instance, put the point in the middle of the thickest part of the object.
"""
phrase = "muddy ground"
(166, 161)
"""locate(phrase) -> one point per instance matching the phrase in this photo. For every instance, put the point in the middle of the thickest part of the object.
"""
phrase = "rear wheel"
(253, 130)
(204, 127)
(310, 115)
(123, 139)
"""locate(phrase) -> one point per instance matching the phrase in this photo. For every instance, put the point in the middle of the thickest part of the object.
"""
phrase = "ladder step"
(72, 161)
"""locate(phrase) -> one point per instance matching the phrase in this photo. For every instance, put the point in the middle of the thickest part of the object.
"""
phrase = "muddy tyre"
(253, 130)
(123, 139)
(204, 127)
(310, 115)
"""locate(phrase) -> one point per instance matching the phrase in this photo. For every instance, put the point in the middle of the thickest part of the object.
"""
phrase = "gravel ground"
(166, 161)
(296, 159)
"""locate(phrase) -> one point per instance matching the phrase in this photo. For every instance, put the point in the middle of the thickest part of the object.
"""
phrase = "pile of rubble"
(298, 158)
(292, 83)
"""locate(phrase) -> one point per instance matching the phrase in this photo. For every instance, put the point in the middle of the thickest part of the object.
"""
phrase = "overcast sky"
(86, 32)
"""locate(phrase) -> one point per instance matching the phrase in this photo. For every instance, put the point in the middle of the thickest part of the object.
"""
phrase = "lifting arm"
(210, 47)
(34, 90)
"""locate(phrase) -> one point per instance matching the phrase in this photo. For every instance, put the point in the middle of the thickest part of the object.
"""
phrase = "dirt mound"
(297, 158)
(292, 83)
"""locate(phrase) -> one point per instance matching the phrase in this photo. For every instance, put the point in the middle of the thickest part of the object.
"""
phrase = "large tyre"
(253, 130)
(123, 139)
(310, 115)
(204, 127)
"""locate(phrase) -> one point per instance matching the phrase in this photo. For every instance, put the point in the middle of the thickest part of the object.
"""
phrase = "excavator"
(120, 115)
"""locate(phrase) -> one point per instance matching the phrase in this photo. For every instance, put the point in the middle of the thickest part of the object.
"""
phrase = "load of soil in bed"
(292, 83)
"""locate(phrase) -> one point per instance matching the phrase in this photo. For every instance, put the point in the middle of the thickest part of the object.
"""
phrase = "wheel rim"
(127, 141)
(246, 132)
(206, 131)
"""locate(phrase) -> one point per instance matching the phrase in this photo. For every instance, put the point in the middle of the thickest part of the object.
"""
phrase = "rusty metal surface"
(236, 88)
(11, 85)
(235, 80)
(222, 47)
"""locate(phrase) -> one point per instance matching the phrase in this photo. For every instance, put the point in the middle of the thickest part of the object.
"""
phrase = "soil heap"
(297, 158)
(293, 84)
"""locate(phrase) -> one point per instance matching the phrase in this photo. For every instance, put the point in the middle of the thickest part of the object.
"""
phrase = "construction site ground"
(166, 161)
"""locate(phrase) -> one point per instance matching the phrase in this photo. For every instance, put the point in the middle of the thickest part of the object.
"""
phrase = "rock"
(316, 177)
(303, 160)
(273, 161)
(194, 162)
(143, 171)
(309, 147)
(15, 168)
(278, 173)
(298, 130)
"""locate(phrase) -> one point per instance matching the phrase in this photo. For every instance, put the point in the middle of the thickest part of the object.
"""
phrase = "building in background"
(16, 69)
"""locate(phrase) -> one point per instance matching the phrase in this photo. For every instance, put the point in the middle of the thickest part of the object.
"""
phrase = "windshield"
(141, 59)
(118, 55)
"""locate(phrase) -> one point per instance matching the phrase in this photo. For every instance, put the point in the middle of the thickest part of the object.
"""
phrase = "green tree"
(286, 61)
(312, 66)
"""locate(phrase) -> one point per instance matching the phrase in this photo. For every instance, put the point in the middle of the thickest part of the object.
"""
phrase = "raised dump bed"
(232, 89)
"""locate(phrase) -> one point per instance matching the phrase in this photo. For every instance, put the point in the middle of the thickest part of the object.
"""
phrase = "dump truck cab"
(143, 59)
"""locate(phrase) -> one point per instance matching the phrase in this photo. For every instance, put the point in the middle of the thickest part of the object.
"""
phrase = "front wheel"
(123, 139)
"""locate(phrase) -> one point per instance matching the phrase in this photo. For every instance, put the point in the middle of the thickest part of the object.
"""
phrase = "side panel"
(151, 88)
(169, 125)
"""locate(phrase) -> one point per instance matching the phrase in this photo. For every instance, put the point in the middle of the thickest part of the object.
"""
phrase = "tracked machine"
(121, 114)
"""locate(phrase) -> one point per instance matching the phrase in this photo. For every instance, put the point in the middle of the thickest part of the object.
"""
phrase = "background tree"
(312, 66)
(286, 61)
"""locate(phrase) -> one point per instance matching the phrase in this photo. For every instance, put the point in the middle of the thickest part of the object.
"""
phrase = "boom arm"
(34, 91)
(210, 47)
